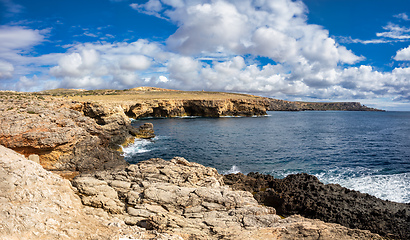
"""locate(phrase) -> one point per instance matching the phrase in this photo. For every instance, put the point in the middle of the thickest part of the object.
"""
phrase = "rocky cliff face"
(282, 105)
(304, 194)
(67, 135)
(203, 108)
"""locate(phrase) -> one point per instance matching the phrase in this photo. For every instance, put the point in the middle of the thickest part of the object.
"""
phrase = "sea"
(364, 151)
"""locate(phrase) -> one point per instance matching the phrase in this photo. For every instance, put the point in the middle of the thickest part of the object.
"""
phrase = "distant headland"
(142, 102)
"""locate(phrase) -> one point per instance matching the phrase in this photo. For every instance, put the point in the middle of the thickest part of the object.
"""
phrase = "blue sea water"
(364, 151)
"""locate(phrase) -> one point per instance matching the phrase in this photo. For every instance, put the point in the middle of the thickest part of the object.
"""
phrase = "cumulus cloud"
(217, 46)
(152, 7)
(14, 38)
(117, 65)
(403, 54)
(16, 60)
(274, 29)
(135, 62)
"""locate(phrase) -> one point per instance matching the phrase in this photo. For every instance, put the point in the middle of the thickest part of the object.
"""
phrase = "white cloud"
(117, 65)
(11, 8)
(403, 54)
(152, 7)
(6, 70)
(16, 47)
(184, 71)
(217, 46)
(395, 31)
(402, 16)
(273, 29)
(372, 41)
(135, 62)
(163, 79)
(16, 38)
(217, 27)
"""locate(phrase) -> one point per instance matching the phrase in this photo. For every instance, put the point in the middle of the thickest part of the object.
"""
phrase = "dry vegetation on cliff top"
(132, 95)
(141, 93)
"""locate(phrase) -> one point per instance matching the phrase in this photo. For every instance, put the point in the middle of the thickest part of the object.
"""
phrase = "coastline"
(304, 194)
(154, 199)
(81, 139)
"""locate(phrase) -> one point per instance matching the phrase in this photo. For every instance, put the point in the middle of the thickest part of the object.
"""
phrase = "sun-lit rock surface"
(37, 204)
(67, 135)
(188, 199)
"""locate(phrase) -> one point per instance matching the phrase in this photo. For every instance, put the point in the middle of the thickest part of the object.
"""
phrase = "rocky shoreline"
(304, 194)
(108, 198)
(153, 199)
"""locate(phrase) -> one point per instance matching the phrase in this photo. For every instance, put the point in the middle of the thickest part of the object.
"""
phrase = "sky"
(311, 50)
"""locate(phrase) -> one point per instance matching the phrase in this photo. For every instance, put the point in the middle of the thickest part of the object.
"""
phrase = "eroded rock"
(67, 135)
(37, 204)
(305, 195)
(188, 199)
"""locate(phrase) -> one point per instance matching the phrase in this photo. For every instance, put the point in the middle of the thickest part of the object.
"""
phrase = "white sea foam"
(188, 117)
(231, 116)
(234, 169)
(139, 146)
(394, 187)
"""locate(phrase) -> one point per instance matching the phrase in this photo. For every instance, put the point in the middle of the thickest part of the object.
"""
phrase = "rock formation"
(305, 195)
(67, 135)
(202, 108)
(282, 105)
(37, 204)
(190, 200)
(154, 199)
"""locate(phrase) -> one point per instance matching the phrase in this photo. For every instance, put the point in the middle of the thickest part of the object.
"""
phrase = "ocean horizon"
(364, 151)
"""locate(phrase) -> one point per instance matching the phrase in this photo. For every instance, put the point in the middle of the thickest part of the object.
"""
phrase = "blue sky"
(311, 50)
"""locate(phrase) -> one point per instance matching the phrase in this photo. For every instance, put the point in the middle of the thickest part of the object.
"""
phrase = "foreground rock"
(37, 204)
(305, 195)
(67, 135)
(190, 200)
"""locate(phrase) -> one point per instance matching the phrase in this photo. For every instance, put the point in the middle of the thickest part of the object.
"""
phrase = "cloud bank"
(262, 47)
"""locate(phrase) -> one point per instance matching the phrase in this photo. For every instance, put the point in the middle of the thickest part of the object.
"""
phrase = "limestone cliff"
(282, 105)
(203, 108)
(66, 135)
